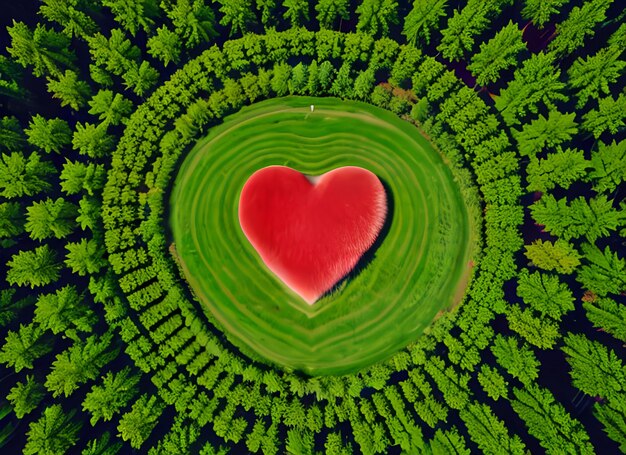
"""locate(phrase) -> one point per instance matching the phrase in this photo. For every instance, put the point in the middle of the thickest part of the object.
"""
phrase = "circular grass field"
(420, 267)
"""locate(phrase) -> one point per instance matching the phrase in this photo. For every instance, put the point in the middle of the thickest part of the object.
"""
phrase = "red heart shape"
(312, 231)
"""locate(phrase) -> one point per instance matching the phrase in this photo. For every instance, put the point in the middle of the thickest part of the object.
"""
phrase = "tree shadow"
(369, 255)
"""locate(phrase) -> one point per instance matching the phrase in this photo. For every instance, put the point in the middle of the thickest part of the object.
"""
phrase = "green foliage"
(329, 10)
(592, 219)
(22, 175)
(591, 77)
(548, 421)
(489, 432)
(466, 25)
(608, 315)
(34, 268)
(70, 90)
(545, 293)
(610, 116)
(581, 23)
(136, 425)
(559, 255)
(54, 433)
(85, 257)
(26, 396)
(604, 271)
(538, 331)
(608, 164)
(165, 45)
(64, 309)
(51, 218)
(492, 382)
(498, 54)
(377, 16)
(133, 15)
(11, 220)
(111, 109)
(79, 363)
(11, 135)
(536, 83)
(43, 49)
(68, 15)
(544, 132)
(50, 135)
(238, 14)
(423, 20)
(297, 12)
(520, 362)
(92, 140)
(596, 370)
(10, 306)
(23, 347)
(540, 11)
(114, 394)
(561, 168)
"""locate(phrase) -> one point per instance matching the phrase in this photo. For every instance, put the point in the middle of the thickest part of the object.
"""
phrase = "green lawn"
(416, 272)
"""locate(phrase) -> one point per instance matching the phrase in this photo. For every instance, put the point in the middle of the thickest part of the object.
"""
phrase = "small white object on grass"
(312, 108)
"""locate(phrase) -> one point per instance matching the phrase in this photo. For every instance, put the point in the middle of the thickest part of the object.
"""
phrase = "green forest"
(104, 347)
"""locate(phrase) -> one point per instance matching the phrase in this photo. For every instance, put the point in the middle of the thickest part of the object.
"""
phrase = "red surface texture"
(312, 231)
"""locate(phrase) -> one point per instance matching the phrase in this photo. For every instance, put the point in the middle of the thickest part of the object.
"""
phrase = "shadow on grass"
(369, 255)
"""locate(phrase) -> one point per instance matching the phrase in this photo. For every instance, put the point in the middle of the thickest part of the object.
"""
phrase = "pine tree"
(165, 45)
(77, 176)
(492, 382)
(23, 347)
(545, 293)
(92, 140)
(498, 54)
(70, 90)
(34, 268)
(110, 108)
(609, 166)
(592, 219)
(544, 132)
(113, 395)
(559, 256)
(329, 10)
(11, 220)
(489, 432)
(608, 315)
(134, 14)
(297, 12)
(22, 175)
(67, 15)
(520, 362)
(604, 272)
(85, 257)
(610, 116)
(548, 421)
(47, 51)
(590, 77)
(377, 16)
(540, 332)
(26, 396)
(423, 19)
(579, 25)
(537, 82)
(596, 370)
(540, 11)
(54, 433)
(63, 310)
(193, 20)
(50, 135)
(561, 168)
(51, 218)
(11, 135)
(79, 363)
(136, 425)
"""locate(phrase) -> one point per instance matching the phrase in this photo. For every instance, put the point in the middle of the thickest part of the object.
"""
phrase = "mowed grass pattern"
(415, 273)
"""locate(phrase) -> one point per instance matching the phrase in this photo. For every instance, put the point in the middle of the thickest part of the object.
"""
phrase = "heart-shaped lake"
(312, 231)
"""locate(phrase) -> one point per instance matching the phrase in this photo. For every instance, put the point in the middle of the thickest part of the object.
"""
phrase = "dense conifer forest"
(103, 347)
